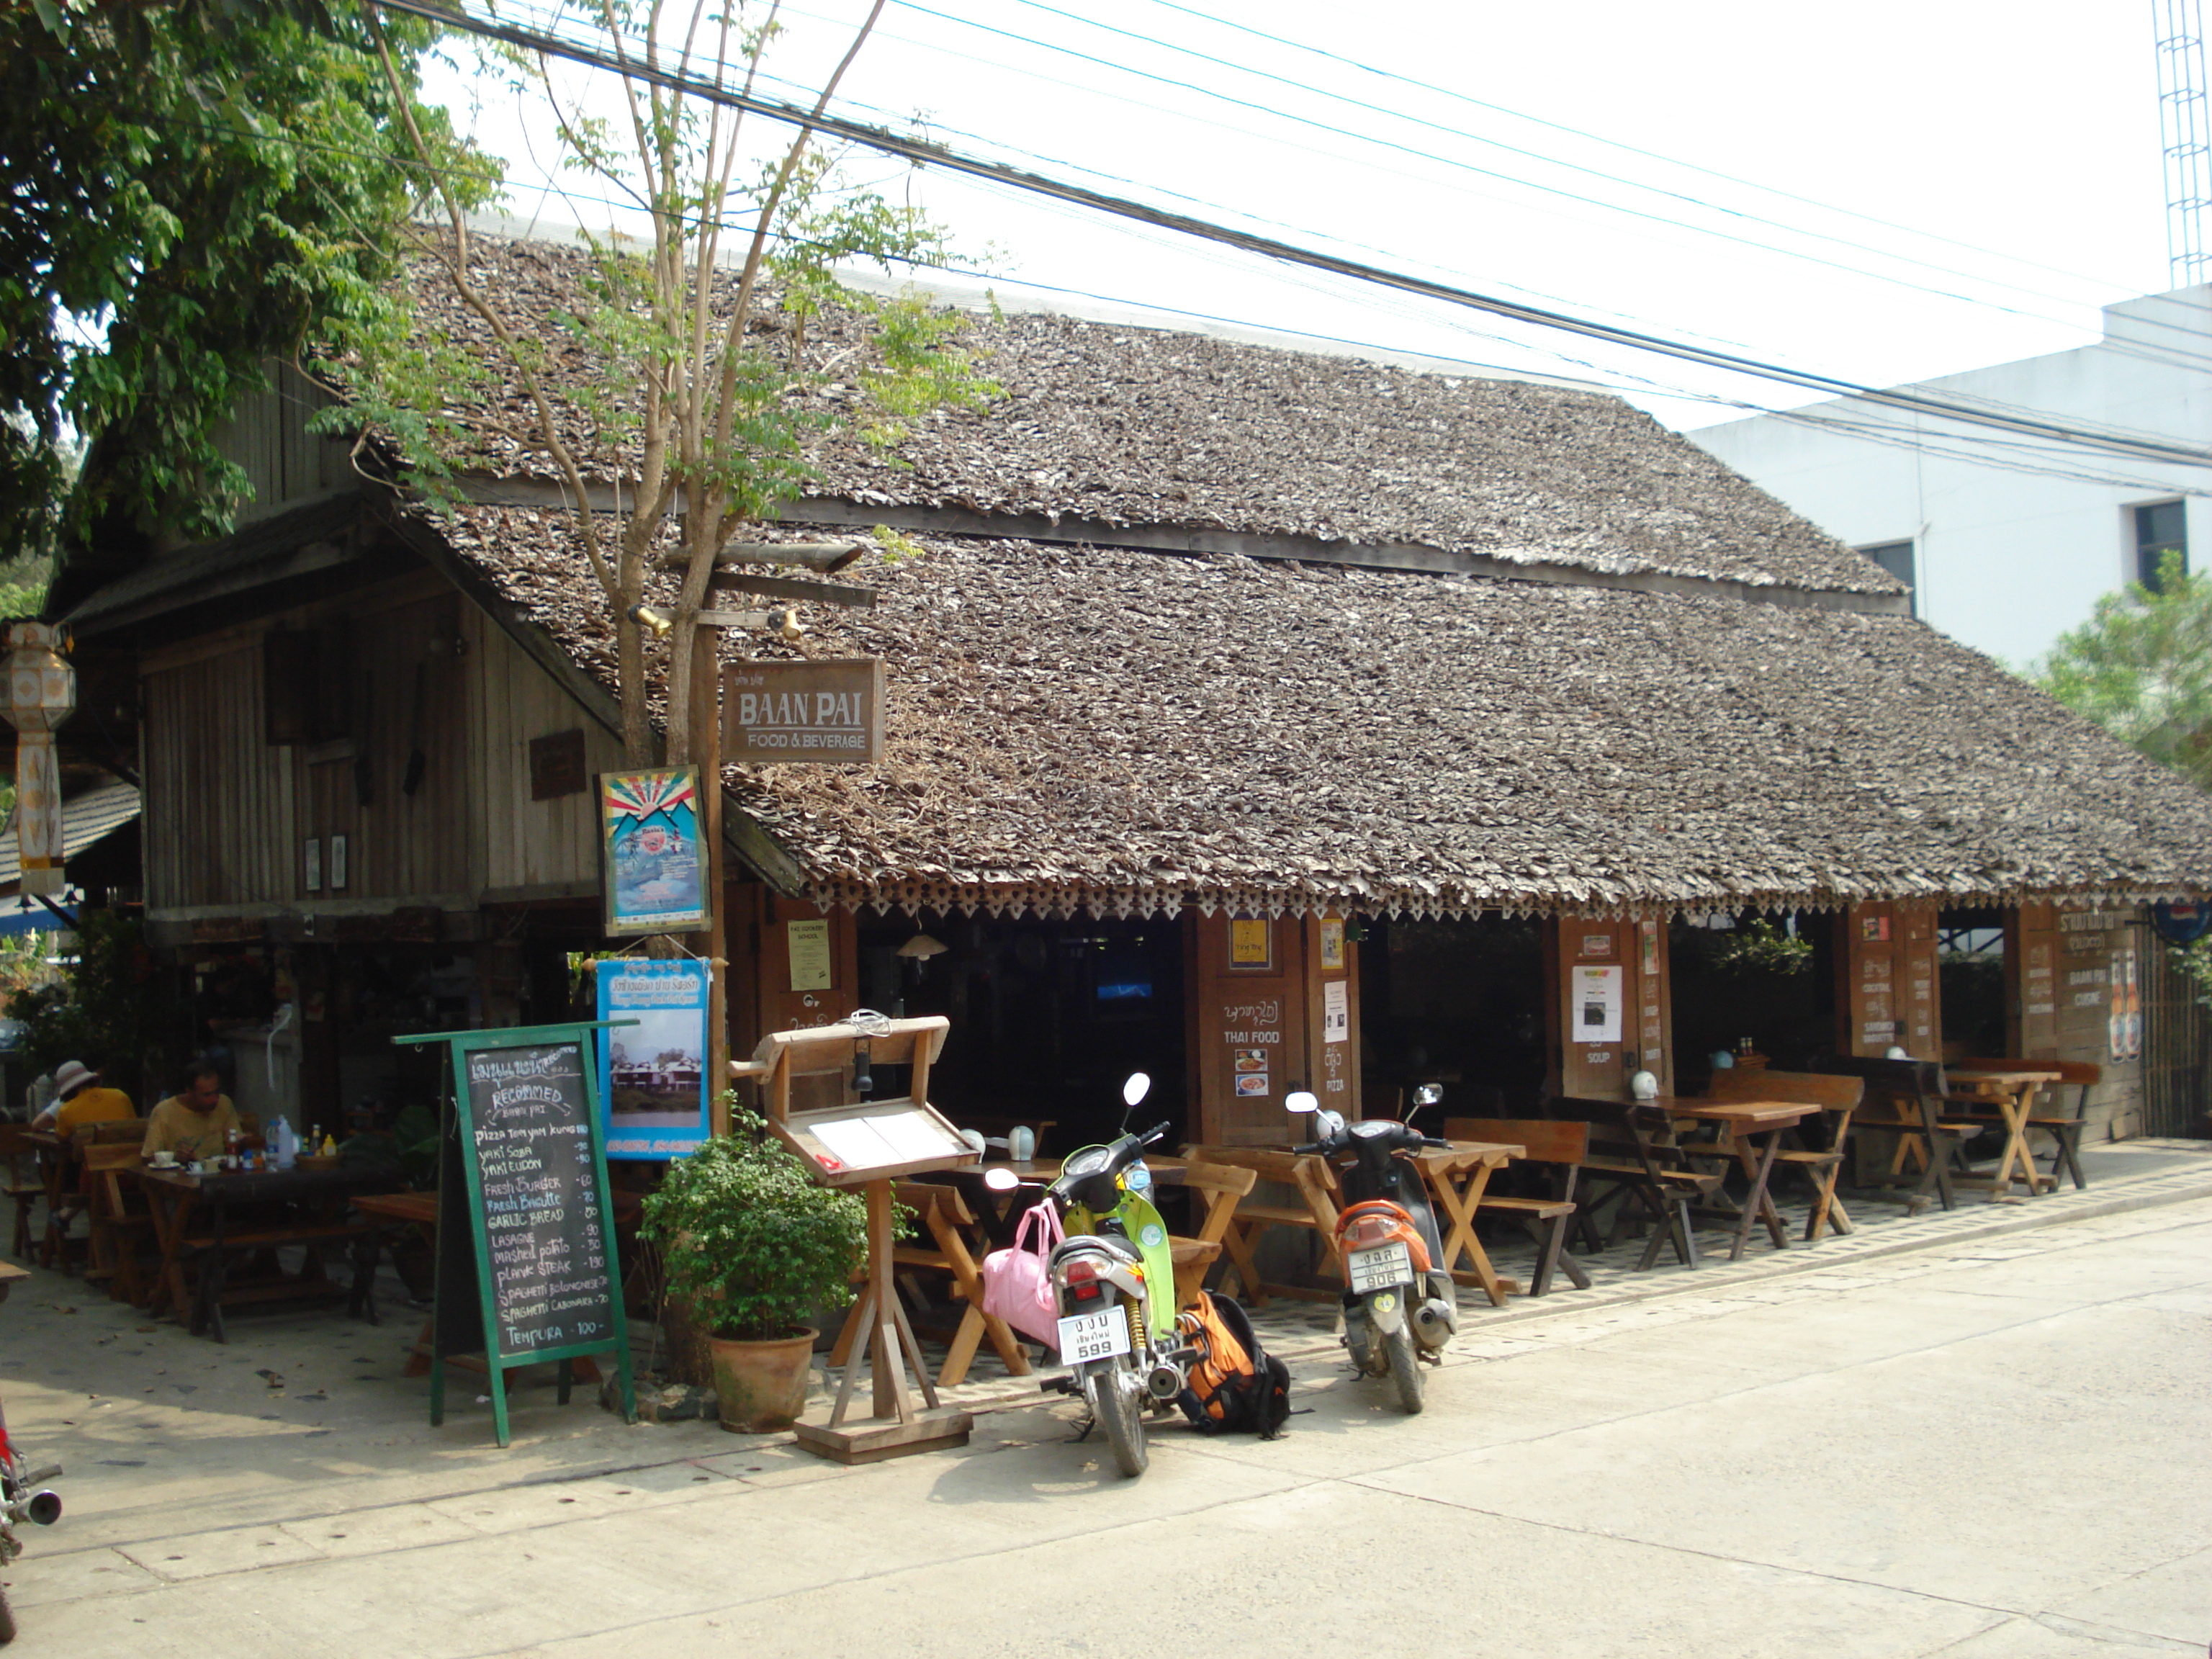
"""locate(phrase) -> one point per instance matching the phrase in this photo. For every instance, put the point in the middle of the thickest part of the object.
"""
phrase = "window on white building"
(1896, 558)
(2160, 528)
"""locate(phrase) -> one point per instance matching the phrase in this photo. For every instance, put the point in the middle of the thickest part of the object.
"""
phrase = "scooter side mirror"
(1001, 1181)
(1136, 1088)
(1428, 1095)
(1303, 1101)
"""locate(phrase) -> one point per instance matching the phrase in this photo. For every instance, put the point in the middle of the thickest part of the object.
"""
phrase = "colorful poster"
(653, 1075)
(1332, 943)
(652, 867)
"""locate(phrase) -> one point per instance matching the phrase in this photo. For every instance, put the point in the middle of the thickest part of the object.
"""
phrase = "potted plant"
(753, 1247)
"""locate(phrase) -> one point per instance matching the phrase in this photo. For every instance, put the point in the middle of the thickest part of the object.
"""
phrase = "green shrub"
(754, 1245)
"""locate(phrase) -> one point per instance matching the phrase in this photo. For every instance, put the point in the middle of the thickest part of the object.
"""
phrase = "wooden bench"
(1563, 1147)
(1833, 1094)
(1629, 1158)
(1222, 1187)
(2063, 1127)
(1308, 1178)
(120, 1222)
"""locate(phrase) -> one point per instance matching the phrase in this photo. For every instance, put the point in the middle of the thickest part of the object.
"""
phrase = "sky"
(1882, 193)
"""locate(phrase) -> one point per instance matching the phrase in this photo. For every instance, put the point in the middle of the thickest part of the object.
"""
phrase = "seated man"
(81, 1096)
(196, 1122)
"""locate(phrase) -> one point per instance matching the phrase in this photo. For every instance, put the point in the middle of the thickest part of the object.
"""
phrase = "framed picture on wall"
(1251, 945)
(312, 858)
(337, 863)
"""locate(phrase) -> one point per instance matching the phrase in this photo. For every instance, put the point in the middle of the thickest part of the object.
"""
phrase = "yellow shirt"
(176, 1128)
(94, 1105)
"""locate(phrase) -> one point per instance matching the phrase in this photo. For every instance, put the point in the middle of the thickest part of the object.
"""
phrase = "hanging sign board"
(820, 713)
(526, 1265)
(652, 866)
(653, 1073)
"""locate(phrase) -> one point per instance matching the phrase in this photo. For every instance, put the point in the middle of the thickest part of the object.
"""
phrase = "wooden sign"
(818, 713)
(526, 1264)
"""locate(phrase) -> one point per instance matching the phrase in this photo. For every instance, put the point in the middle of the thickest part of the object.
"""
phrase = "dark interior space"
(1767, 979)
(1048, 1018)
(1458, 1003)
(1970, 967)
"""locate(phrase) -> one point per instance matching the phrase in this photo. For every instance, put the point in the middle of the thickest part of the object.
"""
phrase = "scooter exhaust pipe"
(44, 1508)
(1164, 1381)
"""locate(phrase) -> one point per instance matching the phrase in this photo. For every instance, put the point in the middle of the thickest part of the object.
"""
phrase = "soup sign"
(823, 713)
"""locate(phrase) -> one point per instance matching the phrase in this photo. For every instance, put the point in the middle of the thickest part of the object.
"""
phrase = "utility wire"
(932, 155)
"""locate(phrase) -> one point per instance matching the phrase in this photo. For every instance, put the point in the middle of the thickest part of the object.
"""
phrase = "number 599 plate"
(1093, 1335)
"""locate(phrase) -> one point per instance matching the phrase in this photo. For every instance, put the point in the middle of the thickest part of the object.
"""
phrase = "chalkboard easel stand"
(464, 1318)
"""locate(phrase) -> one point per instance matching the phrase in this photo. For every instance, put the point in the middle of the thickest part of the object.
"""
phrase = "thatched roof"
(1128, 428)
(1125, 731)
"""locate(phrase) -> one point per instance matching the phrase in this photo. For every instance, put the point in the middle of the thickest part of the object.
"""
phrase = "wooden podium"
(849, 1140)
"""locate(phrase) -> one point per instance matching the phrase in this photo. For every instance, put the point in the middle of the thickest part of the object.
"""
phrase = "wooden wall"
(439, 695)
(222, 807)
(1599, 1069)
(2074, 991)
(1887, 990)
(267, 436)
(1264, 1022)
(529, 849)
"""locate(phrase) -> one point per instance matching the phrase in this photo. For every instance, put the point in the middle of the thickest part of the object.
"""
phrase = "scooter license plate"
(1379, 1269)
(1093, 1335)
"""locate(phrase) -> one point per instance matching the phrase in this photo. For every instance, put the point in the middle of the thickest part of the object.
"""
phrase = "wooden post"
(714, 943)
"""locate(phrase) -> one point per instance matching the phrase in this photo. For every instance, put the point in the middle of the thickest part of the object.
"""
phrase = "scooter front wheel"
(1404, 1370)
(1119, 1402)
(7, 1621)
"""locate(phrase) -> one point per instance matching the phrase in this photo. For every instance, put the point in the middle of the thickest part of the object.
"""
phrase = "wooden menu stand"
(850, 1140)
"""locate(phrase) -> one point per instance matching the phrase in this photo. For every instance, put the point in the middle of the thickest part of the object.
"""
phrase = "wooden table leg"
(1460, 1205)
(975, 1324)
(170, 1210)
(1237, 1241)
(1758, 1206)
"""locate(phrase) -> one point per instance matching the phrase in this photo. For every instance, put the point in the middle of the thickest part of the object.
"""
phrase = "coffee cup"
(163, 1160)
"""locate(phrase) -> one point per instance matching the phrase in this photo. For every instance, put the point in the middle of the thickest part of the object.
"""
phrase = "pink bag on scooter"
(1018, 1281)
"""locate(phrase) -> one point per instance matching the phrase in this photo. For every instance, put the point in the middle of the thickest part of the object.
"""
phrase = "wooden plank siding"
(529, 847)
(229, 813)
(267, 435)
(220, 812)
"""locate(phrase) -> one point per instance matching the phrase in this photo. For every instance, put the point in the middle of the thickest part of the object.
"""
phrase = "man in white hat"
(80, 1098)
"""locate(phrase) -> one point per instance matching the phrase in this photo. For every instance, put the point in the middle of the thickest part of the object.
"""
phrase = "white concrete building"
(2008, 541)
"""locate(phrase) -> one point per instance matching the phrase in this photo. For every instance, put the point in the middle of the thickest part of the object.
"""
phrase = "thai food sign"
(818, 713)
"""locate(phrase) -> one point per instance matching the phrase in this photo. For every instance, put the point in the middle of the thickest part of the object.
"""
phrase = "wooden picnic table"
(176, 1197)
(1750, 1131)
(1457, 1176)
(2013, 1093)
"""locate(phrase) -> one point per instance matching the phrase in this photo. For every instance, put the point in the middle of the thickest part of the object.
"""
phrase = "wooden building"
(1266, 719)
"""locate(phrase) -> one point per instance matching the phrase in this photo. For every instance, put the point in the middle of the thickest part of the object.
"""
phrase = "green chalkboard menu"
(527, 1269)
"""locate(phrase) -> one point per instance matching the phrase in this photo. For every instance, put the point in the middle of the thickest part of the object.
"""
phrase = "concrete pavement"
(1991, 1444)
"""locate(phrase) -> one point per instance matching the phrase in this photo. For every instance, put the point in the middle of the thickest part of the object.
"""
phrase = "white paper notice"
(856, 1143)
(1594, 1002)
(809, 955)
(1335, 1012)
(912, 1136)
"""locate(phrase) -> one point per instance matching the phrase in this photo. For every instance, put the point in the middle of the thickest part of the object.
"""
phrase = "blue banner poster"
(653, 1075)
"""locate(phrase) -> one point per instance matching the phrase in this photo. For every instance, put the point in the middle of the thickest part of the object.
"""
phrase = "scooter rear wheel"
(1404, 1370)
(1120, 1411)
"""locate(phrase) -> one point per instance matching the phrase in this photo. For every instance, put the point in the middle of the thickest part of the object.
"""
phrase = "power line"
(938, 156)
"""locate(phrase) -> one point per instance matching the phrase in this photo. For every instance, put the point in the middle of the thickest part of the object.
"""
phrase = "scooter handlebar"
(1431, 1140)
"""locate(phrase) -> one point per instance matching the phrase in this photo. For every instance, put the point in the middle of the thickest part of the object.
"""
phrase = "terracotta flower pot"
(760, 1386)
